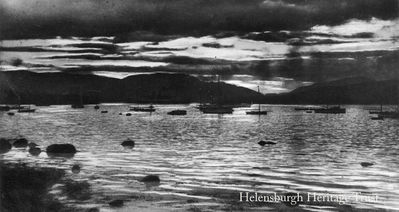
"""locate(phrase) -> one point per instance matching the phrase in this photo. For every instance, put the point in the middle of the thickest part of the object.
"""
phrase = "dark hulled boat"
(150, 108)
(257, 112)
(331, 110)
(178, 113)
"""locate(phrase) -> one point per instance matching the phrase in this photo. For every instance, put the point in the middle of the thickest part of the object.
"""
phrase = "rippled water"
(204, 161)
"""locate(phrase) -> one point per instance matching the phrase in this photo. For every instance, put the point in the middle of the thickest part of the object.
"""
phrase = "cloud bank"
(38, 18)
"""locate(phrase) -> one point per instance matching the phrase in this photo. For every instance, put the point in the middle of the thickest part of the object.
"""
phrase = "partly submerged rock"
(116, 203)
(20, 143)
(35, 151)
(31, 145)
(75, 169)
(5, 146)
(93, 210)
(263, 143)
(128, 143)
(366, 164)
(151, 179)
(61, 150)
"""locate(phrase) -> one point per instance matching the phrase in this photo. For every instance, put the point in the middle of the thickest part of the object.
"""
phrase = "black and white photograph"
(199, 105)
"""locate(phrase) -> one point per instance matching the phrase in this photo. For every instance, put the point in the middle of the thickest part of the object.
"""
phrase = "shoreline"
(22, 87)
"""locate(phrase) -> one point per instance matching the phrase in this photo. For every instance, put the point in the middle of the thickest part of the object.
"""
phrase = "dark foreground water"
(204, 161)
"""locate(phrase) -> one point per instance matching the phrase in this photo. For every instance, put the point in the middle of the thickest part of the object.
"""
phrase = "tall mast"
(258, 100)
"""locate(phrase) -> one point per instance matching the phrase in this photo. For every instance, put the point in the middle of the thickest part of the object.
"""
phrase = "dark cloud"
(21, 18)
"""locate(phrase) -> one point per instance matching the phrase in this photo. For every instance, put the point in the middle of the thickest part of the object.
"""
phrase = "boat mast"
(258, 100)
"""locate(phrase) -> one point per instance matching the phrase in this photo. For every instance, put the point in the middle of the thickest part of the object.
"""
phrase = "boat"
(16, 107)
(306, 108)
(379, 117)
(150, 109)
(379, 112)
(257, 112)
(331, 110)
(26, 110)
(79, 104)
(178, 113)
(217, 108)
(4, 108)
(394, 114)
(391, 114)
(97, 107)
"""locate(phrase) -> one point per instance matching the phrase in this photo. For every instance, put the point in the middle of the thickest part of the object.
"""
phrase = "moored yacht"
(150, 108)
(331, 110)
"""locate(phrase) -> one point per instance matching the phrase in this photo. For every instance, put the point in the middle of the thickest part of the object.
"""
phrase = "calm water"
(208, 159)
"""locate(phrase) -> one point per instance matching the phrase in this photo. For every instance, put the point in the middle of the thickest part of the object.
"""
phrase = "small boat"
(26, 110)
(217, 109)
(4, 108)
(379, 117)
(306, 108)
(331, 110)
(178, 112)
(143, 109)
(10, 113)
(391, 115)
(104, 111)
(257, 112)
(16, 107)
(77, 106)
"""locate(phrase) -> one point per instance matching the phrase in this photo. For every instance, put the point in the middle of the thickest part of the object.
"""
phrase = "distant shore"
(22, 87)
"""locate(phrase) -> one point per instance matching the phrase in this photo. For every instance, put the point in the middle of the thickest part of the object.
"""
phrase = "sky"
(21, 18)
(279, 45)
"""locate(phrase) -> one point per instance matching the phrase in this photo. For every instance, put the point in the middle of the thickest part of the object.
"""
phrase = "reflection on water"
(207, 159)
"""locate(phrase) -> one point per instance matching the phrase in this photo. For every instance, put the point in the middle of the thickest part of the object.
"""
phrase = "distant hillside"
(346, 91)
(63, 88)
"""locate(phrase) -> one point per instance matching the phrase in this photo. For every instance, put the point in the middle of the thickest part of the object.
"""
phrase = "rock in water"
(20, 143)
(116, 203)
(366, 164)
(75, 169)
(5, 146)
(35, 151)
(67, 150)
(263, 143)
(128, 143)
(32, 145)
(151, 179)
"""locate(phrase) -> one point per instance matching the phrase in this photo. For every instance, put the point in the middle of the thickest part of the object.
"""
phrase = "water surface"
(204, 161)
